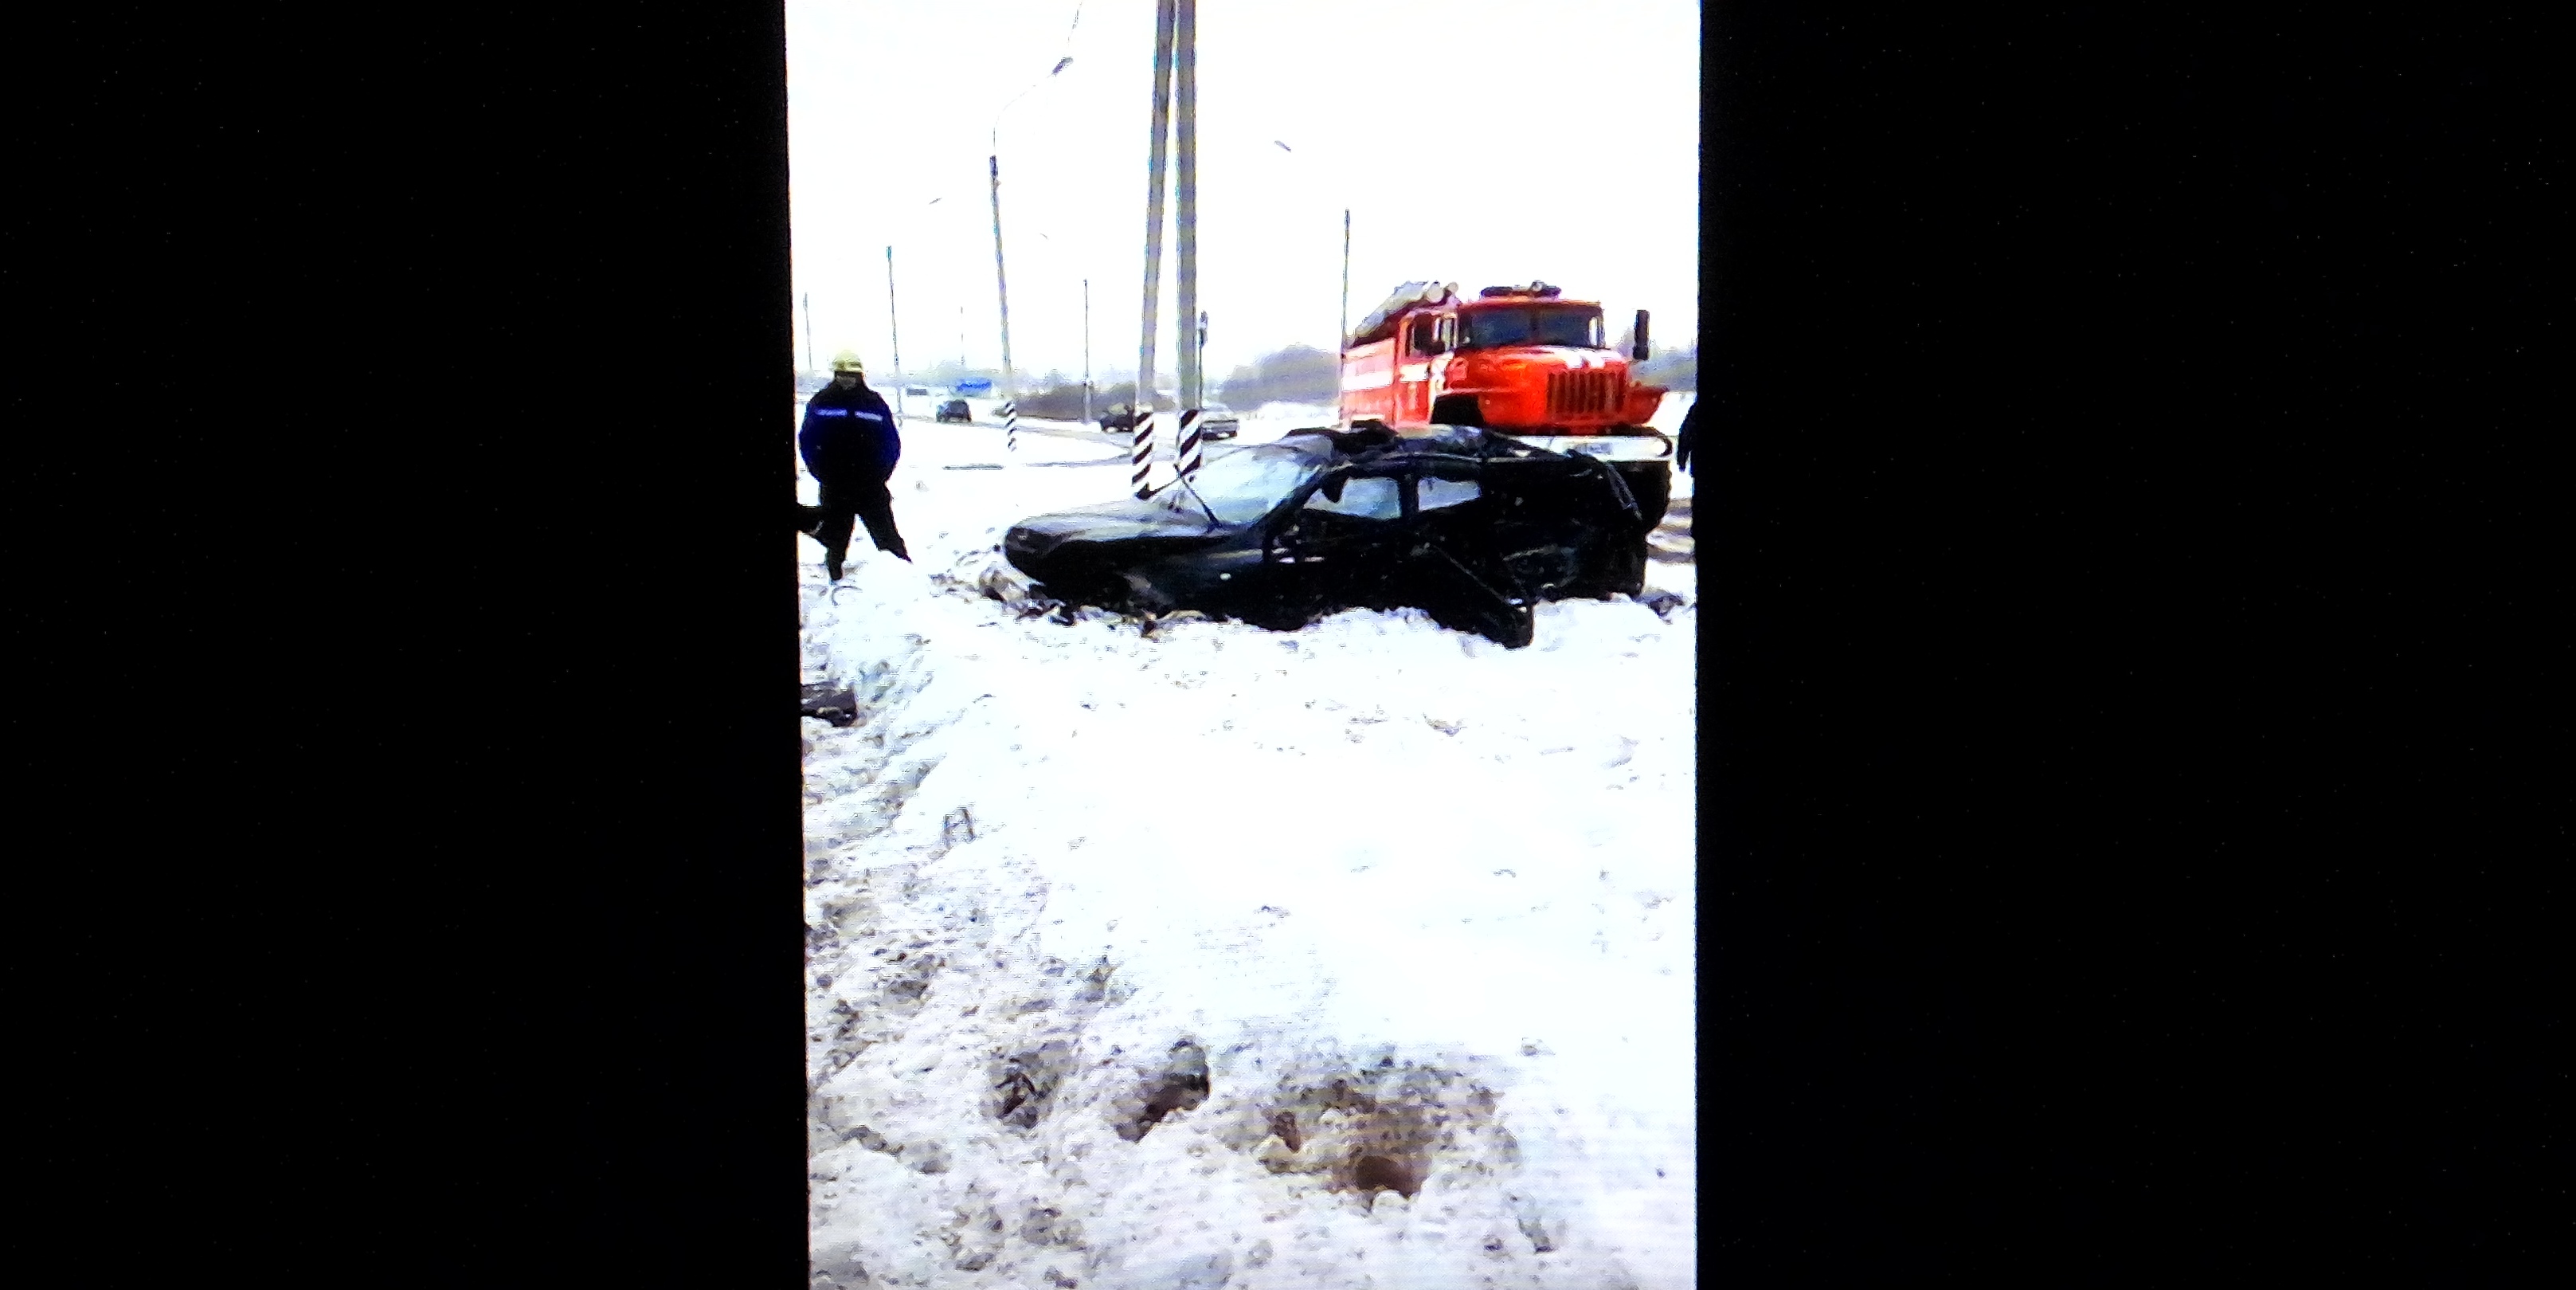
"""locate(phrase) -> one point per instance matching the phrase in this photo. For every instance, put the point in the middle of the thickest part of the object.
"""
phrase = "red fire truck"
(1514, 359)
(1520, 361)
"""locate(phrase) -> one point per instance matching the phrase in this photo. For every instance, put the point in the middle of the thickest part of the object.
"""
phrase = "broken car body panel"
(1470, 526)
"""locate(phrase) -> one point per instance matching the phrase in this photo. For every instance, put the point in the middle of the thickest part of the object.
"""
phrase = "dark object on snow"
(954, 410)
(1179, 1086)
(1473, 526)
(836, 704)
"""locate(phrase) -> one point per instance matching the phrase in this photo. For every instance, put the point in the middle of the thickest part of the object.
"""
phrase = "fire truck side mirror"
(1639, 351)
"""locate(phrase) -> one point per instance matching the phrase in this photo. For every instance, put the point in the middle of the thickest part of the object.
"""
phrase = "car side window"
(1369, 499)
(1436, 493)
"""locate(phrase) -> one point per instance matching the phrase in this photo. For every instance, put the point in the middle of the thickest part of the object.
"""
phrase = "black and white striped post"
(1140, 454)
(1190, 452)
(1011, 424)
(1166, 17)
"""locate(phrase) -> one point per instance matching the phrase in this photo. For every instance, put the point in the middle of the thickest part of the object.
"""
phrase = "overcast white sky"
(1474, 142)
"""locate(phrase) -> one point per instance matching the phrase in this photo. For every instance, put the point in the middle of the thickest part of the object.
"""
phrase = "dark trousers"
(867, 503)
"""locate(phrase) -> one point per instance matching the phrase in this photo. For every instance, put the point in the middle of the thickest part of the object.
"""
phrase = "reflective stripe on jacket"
(849, 436)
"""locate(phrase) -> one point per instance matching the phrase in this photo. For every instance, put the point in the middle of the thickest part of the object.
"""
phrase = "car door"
(1330, 549)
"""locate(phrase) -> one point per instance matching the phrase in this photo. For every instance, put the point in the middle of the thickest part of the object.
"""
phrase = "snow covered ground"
(1355, 956)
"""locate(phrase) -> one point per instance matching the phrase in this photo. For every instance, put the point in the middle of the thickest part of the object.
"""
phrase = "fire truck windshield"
(1487, 328)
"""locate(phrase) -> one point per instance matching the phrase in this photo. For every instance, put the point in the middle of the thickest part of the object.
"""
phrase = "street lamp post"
(894, 334)
(1001, 280)
(1341, 332)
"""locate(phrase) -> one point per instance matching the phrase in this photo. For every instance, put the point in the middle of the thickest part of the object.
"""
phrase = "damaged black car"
(1471, 526)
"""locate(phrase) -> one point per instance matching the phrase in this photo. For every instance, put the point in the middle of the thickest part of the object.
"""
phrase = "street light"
(1001, 279)
(1342, 329)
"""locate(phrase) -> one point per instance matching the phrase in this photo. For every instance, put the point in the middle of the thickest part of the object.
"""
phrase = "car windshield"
(1487, 328)
(1245, 484)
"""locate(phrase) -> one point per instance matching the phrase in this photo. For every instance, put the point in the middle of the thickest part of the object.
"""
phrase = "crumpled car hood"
(1120, 521)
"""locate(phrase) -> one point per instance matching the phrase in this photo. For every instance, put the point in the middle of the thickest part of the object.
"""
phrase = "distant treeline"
(1297, 374)
(1062, 400)
(1303, 374)
(1673, 369)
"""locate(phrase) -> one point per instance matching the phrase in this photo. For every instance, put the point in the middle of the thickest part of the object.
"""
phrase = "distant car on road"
(955, 410)
(917, 391)
(1216, 421)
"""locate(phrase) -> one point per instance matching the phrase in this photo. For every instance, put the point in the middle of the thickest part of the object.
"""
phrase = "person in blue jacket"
(850, 446)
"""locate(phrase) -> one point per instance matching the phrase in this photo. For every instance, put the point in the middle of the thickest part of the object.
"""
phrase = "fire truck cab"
(1521, 360)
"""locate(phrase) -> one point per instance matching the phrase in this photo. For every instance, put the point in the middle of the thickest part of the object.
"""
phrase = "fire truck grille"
(1580, 394)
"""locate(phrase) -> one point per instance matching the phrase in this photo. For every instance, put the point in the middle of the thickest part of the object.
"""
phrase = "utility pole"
(1342, 337)
(1140, 452)
(1010, 382)
(1010, 376)
(1086, 351)
(1185, 180)
(808, 300)
(894, 333)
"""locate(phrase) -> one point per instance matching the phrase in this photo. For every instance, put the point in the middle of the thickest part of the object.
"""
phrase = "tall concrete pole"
(894, 333)
(1185, 182)
(1001, 284)
(1086, 351)
(808, 300)
(1010, 376)
(1342, 337)
(1142, 444)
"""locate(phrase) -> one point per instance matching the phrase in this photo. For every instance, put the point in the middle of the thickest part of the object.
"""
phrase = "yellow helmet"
(847, 361)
